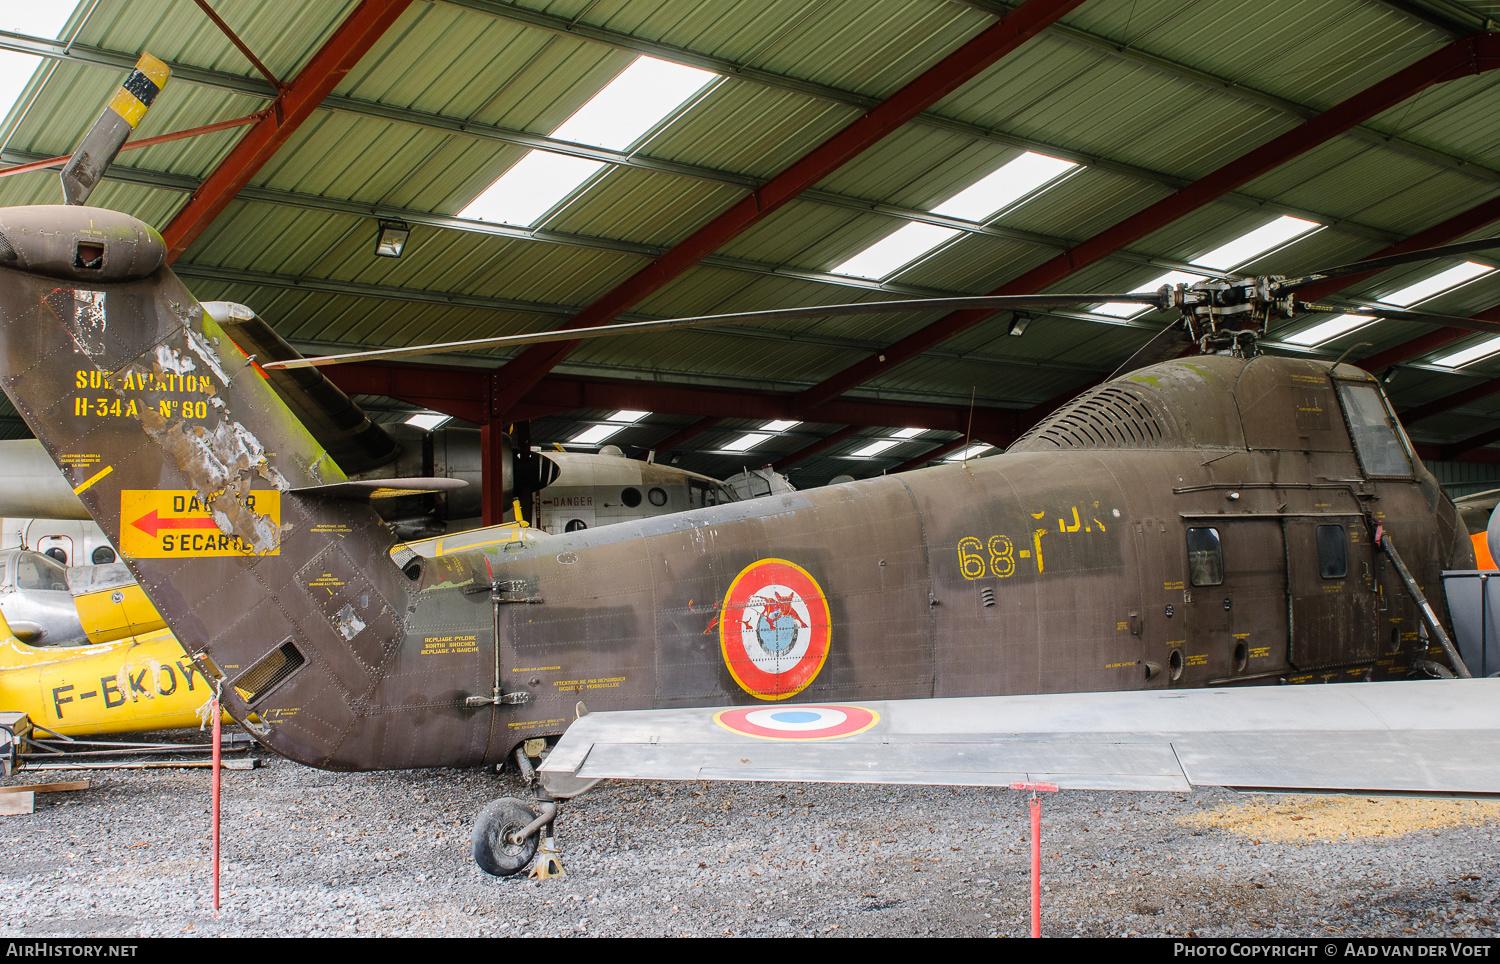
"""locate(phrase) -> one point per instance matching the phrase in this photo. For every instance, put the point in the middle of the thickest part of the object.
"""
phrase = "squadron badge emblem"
(774, 629)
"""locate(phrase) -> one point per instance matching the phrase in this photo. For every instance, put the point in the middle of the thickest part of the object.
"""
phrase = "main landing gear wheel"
(494, 851)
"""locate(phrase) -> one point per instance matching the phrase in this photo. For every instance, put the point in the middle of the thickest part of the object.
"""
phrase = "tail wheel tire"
(493, 851)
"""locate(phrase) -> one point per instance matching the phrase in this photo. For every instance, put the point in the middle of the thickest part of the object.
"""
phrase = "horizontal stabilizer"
(357, 444)
(381, 488)
(1432, 738)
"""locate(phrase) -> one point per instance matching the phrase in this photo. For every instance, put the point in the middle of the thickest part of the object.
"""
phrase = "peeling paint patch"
(201, 348)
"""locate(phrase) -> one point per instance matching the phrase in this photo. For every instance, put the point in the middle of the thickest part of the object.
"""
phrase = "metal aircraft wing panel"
(1438, 737)
(1132, 766)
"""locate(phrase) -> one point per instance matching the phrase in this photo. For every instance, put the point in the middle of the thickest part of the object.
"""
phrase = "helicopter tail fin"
(191, 464)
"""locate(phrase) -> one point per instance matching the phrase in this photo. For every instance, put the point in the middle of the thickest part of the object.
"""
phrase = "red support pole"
(218, 723)
(1036, 867)
(353, 39)
(1470, 55)
(947, 75)
(1036, 849)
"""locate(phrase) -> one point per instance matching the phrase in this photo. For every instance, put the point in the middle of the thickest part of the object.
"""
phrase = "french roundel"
(774, 629)
(797, 722)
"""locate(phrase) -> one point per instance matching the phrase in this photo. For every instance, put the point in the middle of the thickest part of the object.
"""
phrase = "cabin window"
(40, 572)
(1205, 557)
(657, 496)
(1376, 437)
(631, 497)
(103, 556)
(1333, 552)
(705, 495)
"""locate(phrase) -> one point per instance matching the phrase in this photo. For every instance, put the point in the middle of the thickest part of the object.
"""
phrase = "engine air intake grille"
(1109, 417)
(274, 667)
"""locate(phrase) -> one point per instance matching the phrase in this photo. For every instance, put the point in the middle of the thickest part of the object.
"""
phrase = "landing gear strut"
(508, 833)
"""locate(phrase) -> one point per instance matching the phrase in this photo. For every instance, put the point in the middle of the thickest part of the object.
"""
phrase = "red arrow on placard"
(151, 524)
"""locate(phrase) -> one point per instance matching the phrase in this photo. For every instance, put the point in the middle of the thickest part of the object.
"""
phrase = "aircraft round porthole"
(631, 497)
(774, 629)
(657, 496)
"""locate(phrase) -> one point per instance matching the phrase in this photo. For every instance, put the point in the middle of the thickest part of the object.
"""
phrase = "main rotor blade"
(99, 146)
(1390, 261)
(1166, 345)
(981, 302)
(1397, 314)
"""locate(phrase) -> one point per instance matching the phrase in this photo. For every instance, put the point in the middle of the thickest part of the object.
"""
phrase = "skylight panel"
(778, 426)
(631, 105)
(877, 446)
(1473, 353)
(969, 452)
(907, 433)
(746, 441)
(535, 185)
(1250, 246)
(1438, 283)
(427, 420)
(1004, 186)
(34, 20)
(635, 103)
(1329, 330)
(1118, 309)
(595, 434)
(895, 251)
(1242, 250)
(978, 202)
(598, 433)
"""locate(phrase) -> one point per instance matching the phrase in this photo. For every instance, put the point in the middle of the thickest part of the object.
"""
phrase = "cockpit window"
(39, 572)
(1376, 437)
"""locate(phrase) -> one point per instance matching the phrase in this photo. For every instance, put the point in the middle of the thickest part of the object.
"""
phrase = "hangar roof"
(1186, 124)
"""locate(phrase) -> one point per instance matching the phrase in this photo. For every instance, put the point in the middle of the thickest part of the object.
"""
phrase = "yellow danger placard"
(177, 523)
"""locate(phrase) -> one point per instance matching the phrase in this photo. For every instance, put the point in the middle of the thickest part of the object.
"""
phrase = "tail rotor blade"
(99, 146)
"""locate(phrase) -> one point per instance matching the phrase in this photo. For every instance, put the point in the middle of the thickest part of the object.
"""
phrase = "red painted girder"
(1469, 55)
(1437, 406)
(677, 438)
(1424, 343)
(946, 449)
(492, 505)
(808, 451)
(1450, 230)
(1421, 345)
(1469, 450)
(1457, 450)
(464, 393)
(353, 39)
(944, 77)
(561, 393)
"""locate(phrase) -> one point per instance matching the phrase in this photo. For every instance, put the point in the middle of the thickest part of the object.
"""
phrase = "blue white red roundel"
(774, 629)
(797, 722)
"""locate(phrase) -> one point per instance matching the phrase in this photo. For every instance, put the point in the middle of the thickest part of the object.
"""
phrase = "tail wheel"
(494, 852)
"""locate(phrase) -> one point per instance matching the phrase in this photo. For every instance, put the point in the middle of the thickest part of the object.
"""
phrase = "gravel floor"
(313, 853)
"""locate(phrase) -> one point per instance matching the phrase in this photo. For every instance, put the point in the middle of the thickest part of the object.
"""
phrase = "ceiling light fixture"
(391, 240)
